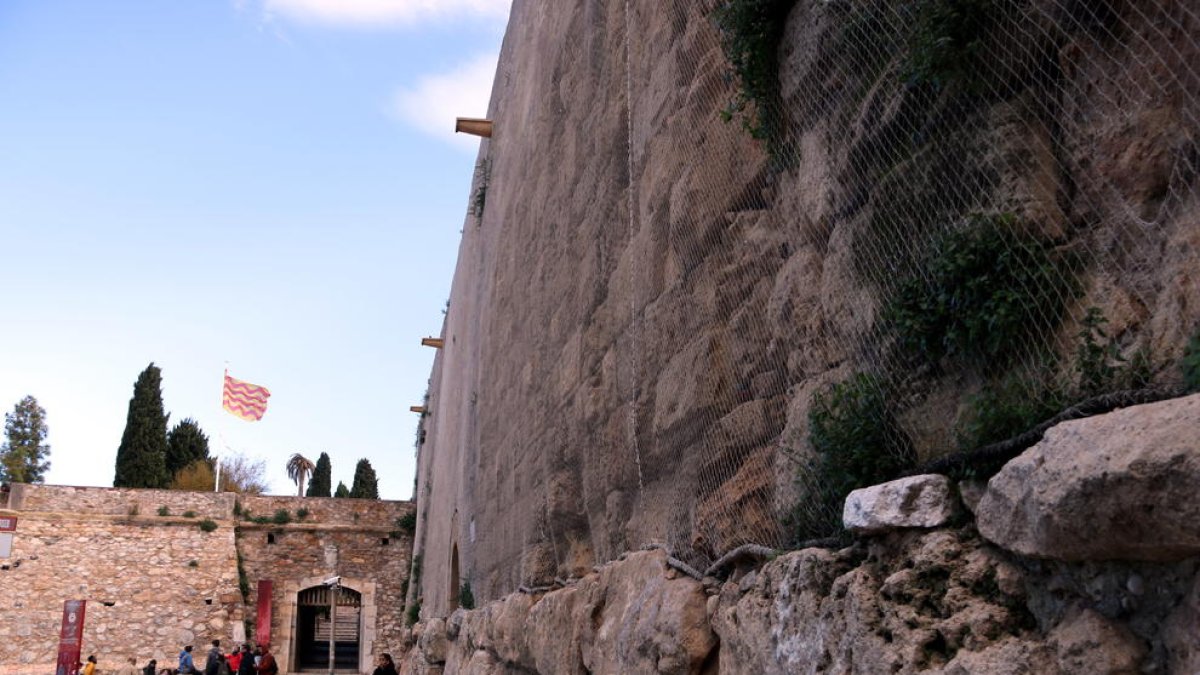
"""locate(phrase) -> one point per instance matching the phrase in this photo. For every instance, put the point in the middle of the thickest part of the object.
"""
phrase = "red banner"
(262, 631)
(70, 639)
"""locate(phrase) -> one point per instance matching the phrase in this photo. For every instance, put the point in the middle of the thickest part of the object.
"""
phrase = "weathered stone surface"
(1086, 642)
(154, 583)
(1115, 486)
(631, 617)
(916, 501)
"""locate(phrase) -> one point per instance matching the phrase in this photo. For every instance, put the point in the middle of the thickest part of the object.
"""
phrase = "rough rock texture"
(154, 583)
(642, 313)
(1116, 486)
(916, 501)
(942, 601)
(635, 616)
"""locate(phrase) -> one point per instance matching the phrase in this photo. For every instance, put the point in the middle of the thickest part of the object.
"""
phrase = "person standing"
(385, 665)
(234, 659)
(186, 665)
(247, 665)
(150, 668)
(212, 665)
(89, 668)
(267, 666)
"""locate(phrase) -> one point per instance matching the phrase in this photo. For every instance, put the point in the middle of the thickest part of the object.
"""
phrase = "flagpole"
(221, 433)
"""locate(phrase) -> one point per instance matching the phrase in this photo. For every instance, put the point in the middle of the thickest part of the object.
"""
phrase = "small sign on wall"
(5, 545)
(8, 523)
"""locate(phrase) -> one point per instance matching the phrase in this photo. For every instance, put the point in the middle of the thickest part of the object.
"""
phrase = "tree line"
(151, 456)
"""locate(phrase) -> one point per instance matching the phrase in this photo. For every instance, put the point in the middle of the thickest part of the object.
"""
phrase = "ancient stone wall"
(648, 303)
(1092, 566)
(154, 583)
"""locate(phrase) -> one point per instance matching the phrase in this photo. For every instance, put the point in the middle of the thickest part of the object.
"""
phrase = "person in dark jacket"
(385, 665)
(213, 665)
(246, 667)
(150, 668)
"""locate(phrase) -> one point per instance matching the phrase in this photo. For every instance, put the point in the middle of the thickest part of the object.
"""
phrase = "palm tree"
(299, 468)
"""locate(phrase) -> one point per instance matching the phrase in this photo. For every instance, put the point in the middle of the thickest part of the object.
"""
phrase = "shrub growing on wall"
(983, 291)
(751, 31)
(857, 442)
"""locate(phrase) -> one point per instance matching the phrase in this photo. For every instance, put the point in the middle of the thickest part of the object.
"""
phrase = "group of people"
(241, 661)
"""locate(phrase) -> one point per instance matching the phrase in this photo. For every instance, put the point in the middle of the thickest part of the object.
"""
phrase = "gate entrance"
(313, 627)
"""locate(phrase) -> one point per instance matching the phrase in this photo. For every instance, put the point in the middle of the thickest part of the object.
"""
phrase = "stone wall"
(643, 312)
(1081, 556)
(154, 583)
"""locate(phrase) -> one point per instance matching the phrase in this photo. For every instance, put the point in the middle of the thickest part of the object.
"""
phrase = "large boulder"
(916, 501)
(1120, 486)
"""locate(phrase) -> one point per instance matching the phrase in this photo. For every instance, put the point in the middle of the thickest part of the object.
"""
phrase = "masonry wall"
(155, 583)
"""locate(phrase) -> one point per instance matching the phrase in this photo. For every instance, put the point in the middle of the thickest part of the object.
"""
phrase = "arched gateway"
(304, 644)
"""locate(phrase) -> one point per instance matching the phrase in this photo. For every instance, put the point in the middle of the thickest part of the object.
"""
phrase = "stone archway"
(287, 635)
(455, 583)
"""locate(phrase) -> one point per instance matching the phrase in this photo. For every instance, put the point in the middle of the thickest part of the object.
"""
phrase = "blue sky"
(272, 183)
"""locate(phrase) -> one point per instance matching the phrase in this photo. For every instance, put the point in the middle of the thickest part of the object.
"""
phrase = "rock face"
(648, 303)
(1121, 486)
(942, 601)
(636, 616)
(916, 501)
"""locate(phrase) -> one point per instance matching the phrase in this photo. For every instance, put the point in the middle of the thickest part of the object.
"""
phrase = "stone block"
(916, 501)
(1120, 486)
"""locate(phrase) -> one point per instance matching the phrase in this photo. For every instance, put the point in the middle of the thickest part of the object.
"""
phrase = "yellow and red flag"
(247, 401)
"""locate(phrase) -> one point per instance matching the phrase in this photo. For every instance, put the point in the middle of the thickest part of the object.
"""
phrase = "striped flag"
(245, 400)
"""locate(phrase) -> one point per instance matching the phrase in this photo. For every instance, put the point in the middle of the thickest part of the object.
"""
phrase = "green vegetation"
(208, 525)
(189, 514)
(1190, 365)
(141, 457)
(751, 31)
(413, 614)
(466, 597)
(261, 520)
(342, 490)
(407, 523)
(483, 174)
(243, 580)
(164, 511)
(857, 442)
(947, 41)
(281, 517)
(984, 290)
(186, 444)
(23, 455)
(322, 477)
(237, 508)
(299, 468)
(1027, 397)
(366, 485)
(301, 513)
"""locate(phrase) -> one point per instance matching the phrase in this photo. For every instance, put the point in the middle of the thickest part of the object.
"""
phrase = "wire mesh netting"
(922, 227)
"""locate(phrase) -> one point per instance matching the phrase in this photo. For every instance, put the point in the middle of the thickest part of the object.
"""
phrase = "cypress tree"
(186, 443)
(365, 485)
(142, 457)
(319, 485)
(23, 456)
(341, 490)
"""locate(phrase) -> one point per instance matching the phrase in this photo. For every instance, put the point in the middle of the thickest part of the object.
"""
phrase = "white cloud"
(435, 100)
(369, 13)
